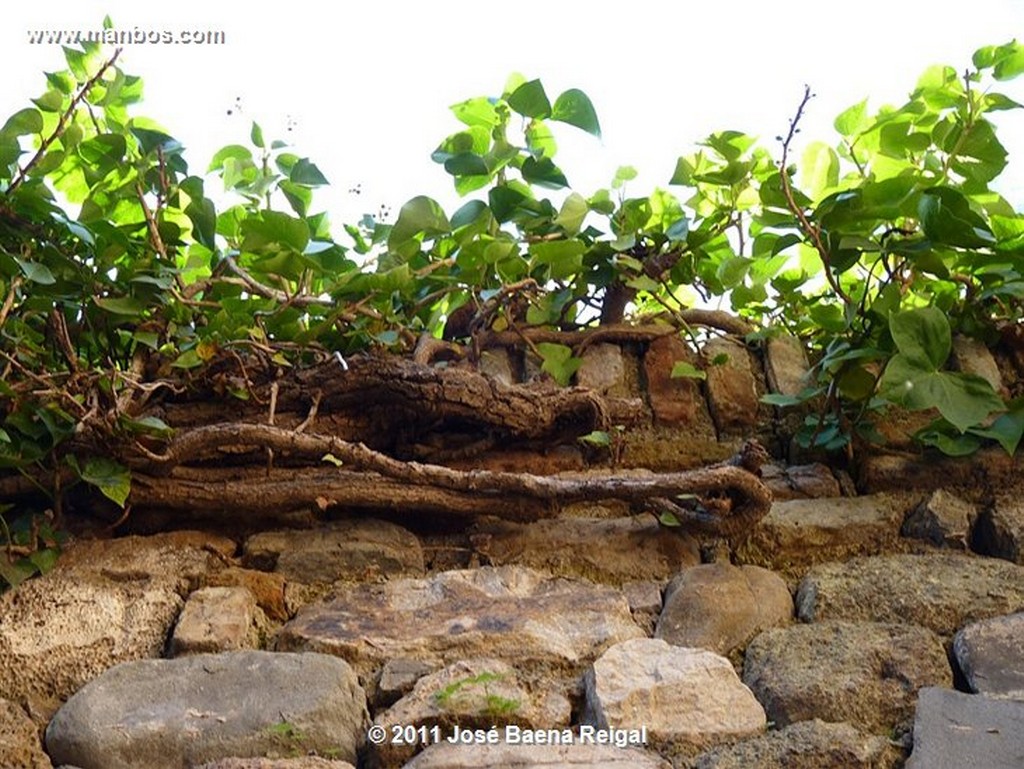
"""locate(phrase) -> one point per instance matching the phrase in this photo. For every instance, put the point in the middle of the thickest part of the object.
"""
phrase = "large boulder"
(866, 674)
(165, 714)
(940, 591)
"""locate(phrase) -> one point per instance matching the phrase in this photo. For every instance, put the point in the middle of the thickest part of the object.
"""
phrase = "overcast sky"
(365, 86)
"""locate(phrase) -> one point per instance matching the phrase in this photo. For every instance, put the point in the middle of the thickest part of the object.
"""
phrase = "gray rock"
(357, 549)
(866, 674)
(721, 607)
(20, 747)
(798, 533)
(603, 369)
(944, 520)
(972, 357)
(689, 699)
(786, 365)
(537, 622)
(496, 364)
(218, 619)
(811, 481)
(805, 745)
(62, 630)
(472, 694)
(731, 387)
(613, 550)
(1000, 531)
(397, 678)
(645, 601)
(991, 656)
(304, 762)
(173, 713)
(954, 730)
(940, 591)
(574, 756)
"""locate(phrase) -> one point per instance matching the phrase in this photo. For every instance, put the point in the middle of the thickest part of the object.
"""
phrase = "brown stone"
(20, 747)
(721, 607)
(944, 520)
(217, 619)
(675, 401)
(1000, 530)
(972, 356)
(866, 674)
(786, 365)
(266, 587)
(604, 550)
(732, 387)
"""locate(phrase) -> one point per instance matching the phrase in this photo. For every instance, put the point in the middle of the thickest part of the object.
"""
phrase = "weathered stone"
(19, 740)
(472, 694)
(645, 601)
(940, 591)
(303, 762)
(363, 548)
(721, 607)
(543, 625)
(62, 630)
(866, 673)
(811, 481)
(689, 699)
(174, 713)
(217, 619)
(944, 520)
(603, 370)
(678, 401)
(801, 532)
(603, 550)
(805, 745)
(731, 387)
(990, 654)
(971, 356)
(397, 678)
(954, 730)
(786, 365)
(267, 588)
(553, 756)
(181, 561)
(1000, 530)
(496, 364)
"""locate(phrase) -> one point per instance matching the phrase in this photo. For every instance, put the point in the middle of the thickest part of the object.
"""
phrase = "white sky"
(367, 85)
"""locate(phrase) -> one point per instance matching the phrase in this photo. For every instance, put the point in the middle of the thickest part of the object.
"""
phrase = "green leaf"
(923, 336)
(683, 370)
(666, 518)
(623, 174)
(853, 120)
(574, 210)
(51, 101)
(530, 100)
(467, 164)
(476, 112)
(123, 305)
(36, 272)
(543, 173)
(256, 135)
(574, 107)
(150, 140)
(111, 478)
(598, 438)
(781, 400)
(819, 169)
(564, 258)
(947, 217)
(306, 174)
(272, 231)
(23, 122)
(558, 361)
(153, 426)
(232, 151)
(421, 216)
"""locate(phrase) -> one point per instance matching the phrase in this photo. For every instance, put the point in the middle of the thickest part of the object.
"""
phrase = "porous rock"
(610, 550)
(813, 744)
(165, 714)
(20, 747)
(940, 591)
(867, 674)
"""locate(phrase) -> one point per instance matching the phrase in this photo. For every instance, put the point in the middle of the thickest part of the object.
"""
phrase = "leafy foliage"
(120, 275)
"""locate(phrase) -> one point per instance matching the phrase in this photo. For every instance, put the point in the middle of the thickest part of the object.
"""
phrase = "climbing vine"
(123, 282)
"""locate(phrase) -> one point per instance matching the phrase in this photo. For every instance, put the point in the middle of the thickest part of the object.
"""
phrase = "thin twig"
(62, 123)
(810, 230)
